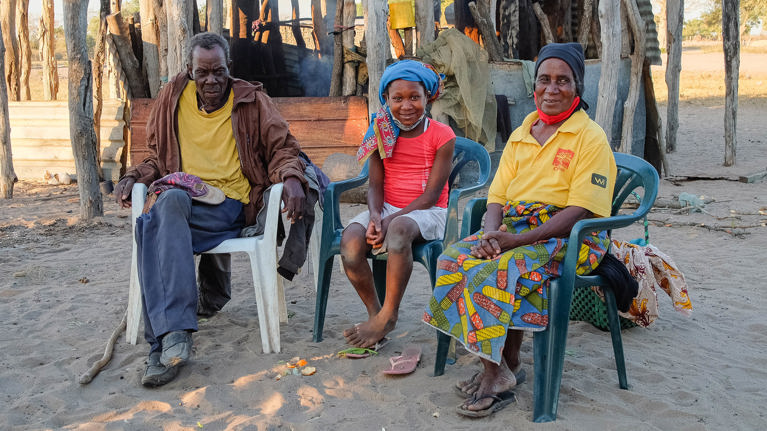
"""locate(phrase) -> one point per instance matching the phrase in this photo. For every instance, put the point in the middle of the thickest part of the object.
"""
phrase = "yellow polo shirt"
(574, 167)
(208, 148)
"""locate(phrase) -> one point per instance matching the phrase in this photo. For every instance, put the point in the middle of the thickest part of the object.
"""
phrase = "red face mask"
(553, 119)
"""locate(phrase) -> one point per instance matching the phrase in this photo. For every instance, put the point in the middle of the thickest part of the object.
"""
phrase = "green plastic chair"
(426, 253)
(549, 345)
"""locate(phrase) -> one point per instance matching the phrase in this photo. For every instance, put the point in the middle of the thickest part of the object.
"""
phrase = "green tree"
(709, 25)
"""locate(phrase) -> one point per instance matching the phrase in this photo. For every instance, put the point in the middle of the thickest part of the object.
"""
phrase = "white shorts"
(431, 222)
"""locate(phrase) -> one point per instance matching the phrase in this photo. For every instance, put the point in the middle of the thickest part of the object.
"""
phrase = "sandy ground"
(64, 285)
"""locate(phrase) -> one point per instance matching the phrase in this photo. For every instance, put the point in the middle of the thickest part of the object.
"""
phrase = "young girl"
(410, 158)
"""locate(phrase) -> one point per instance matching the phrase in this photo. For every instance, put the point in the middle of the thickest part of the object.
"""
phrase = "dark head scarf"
(572, 54)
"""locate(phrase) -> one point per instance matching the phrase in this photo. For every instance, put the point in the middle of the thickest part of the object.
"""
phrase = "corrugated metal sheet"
(652, 46)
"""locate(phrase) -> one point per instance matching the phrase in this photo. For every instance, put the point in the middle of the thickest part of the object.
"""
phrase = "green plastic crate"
(588, 307)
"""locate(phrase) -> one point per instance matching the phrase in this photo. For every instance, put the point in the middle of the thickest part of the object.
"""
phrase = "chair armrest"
(472, 216)
(332, 196)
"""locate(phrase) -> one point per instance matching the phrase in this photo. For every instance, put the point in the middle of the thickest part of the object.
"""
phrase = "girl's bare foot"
(367, 334)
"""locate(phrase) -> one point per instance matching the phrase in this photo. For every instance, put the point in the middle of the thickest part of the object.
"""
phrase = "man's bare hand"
(123, 191)
(294, 198)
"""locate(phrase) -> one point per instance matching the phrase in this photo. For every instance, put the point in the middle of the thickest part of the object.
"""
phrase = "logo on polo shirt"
(562, 159)
(599, 180)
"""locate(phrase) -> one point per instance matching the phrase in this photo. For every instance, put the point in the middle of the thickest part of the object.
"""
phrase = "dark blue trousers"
(167, 238)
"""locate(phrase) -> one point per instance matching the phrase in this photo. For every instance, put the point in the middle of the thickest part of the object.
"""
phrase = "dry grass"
(702, 78)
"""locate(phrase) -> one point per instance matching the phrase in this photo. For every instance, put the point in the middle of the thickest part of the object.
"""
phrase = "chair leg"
(615, 333)
(134, 302)
(323, 288)
(379, 279)
(261, 306)
(283, 307)
(443, 345)
(549, 348)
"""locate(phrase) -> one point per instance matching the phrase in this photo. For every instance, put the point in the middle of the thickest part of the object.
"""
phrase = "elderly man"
(228, 133)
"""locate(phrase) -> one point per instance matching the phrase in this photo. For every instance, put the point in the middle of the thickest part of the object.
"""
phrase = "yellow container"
(401, 14)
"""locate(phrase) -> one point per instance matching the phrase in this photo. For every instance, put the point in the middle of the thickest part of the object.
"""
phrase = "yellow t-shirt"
(208, 148)
(575, 167)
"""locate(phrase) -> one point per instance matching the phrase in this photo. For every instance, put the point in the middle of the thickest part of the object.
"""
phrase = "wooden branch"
(295, 26)
(25, 52)
(636, 23)
(376, 36)
(11, 76)
(585, 25)
(119, 31)
(654, 122)
(548, 36)
(486, 29)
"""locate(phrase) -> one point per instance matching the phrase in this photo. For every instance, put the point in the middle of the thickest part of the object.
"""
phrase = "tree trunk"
(424, 23)
(179, 13)
(25, 53)
(81, 109)
(48, 57)
(674, 22)
(350, 68)
(731, 44)
(548, 35)
(637, 25)
(655, 141)
(7, 175)
(377, 40)
(130, 65)
(8, 20)
(215, 16)
(150, 44)
(337, 75)
(509, 25)
(609, 18)
(585, 25)
(318, 28)
(480, 12)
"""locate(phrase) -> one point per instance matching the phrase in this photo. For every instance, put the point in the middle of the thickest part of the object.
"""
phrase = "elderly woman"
(410, 157)
(557, 168)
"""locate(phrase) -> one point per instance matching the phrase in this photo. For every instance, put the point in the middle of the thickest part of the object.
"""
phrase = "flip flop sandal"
(406, 363)
(500, 400)
(520, 376)
(362, 352)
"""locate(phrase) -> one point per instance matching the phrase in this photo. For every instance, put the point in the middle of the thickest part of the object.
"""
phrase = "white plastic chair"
(262, 251)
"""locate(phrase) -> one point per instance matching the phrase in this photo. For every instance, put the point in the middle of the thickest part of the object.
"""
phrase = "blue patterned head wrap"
(411, 70)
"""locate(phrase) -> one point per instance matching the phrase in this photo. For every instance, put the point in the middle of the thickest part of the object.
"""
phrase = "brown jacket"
(268, 152)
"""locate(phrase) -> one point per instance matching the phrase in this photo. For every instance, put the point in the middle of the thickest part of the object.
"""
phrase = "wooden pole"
(295, 26)
(318, 28)
(179, 13)
(424, 23)
(7, 175)
(81, 131)
(585, 24)
(655, 137)
(25, 52)
(480, 11)
(48, 57)
(350, 68)
(8, 20)
(378, 52)
(215, 16)
(609, 18)
(337, 75)
(99, 58)
(674, 23)
(150, 44)
(161, 15)
(731, 45)
(637, 25)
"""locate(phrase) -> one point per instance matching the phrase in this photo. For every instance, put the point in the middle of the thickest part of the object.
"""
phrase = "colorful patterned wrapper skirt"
(477, 300)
